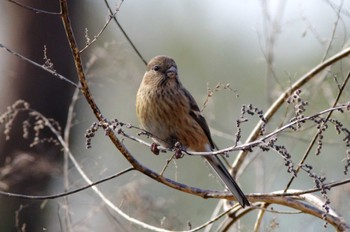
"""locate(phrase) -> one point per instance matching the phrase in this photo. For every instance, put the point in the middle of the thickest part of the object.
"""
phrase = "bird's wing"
(198, 117)
(214, 160)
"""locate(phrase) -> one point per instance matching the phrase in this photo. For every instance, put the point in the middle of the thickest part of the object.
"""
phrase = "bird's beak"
(171, 72)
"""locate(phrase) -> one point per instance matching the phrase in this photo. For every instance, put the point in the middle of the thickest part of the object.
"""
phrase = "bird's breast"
(165, 113)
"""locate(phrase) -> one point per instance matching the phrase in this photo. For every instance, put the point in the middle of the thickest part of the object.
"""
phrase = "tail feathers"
(225, 176)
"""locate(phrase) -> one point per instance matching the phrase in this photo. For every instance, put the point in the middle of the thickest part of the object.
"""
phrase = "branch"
(249, 145)
(53, 72)
(124, 33)
(35, 10)
(66, 193)
(112, 15)
(316, 134)
(278, 103)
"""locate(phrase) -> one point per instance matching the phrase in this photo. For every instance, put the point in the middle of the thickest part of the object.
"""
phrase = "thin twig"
(39, 65)
(65, 193)
(279, 102)
(35, 10)
(333, 31)
(260, 217)
(249, 145)
(271, 27)
(111, 16)
(312, 143)
(167, 164)
(66, 134)
(125, 35)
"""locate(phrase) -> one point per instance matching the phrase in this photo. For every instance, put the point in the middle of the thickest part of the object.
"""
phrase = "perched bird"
(169, 112)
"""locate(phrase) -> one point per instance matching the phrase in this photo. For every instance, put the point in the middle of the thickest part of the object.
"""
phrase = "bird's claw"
(154, 148)
(178, 152)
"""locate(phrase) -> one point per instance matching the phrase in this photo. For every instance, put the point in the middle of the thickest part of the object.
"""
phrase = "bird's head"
(161, 71)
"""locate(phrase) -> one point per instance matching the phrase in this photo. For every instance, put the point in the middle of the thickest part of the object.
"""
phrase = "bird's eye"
(156, 68)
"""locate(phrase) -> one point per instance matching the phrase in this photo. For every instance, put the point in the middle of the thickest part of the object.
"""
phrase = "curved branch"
(278, 103)
(309, 206)
(313, 141)
(66, 193)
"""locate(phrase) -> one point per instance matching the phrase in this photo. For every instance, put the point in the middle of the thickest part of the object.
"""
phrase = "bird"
(168, 111)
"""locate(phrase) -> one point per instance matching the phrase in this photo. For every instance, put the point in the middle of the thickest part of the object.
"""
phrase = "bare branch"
(279, 102)
(35, 10)
(112, 15)
(125, 34)
(39, 65)
(65, 193)
(248, 146)
(307, 152)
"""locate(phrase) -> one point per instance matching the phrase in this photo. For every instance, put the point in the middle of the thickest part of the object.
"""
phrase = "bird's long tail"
(225, 176)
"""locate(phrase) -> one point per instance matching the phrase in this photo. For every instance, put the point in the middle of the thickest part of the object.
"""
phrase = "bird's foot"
(178, 150)
(154, 148)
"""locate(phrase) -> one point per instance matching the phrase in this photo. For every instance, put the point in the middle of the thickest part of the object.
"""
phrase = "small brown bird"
(169, 112)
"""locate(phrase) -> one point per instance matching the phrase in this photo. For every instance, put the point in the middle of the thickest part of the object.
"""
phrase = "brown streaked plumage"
(169, 112)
